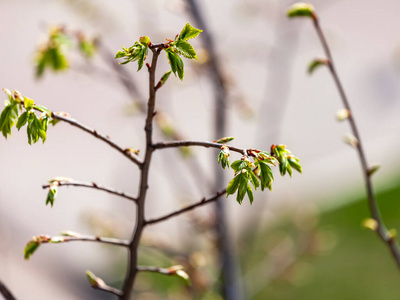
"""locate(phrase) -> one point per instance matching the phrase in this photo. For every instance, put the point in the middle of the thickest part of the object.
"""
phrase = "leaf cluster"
(286, 160)
(53, 54)
(256, 174)
(21, 111)
(174, 49)
(137, 52)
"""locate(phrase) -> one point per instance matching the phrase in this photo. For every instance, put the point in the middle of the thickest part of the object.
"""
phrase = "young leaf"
(233, 184)
(186, 49)
(242, 189)
(34, 244)
(95, 281)
(163, 79)
(223, 156)
(250, 194)
(8, 118)
(315, 64)
(175, 62)
(266, 175)
(189, 32)
(182, 274)
(23, 118)
(52, 194)
(224, 140)
(300, 9)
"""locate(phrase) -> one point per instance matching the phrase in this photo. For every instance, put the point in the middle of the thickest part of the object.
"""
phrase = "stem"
(143, 185)
(93, 132)
(109, 289)
(381, 229)
(188, 208)
(6, 292)
(93, 186)
(88, 238)
(175, 144)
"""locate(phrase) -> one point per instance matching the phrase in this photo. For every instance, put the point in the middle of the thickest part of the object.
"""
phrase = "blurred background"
(303, 240)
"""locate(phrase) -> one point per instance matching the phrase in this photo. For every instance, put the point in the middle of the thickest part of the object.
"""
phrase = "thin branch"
(93, 132)
(93, 186)
(381, 229)
(155, 270)
(109, 289)
(85, 238)
(143, 184)
(6, 292)
(176, 144)
(187, 208)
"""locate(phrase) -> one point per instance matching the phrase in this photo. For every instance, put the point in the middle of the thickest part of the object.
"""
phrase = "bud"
(342, 114)
(351, 140)
(371, 224)
(301, 9)
(144, 40)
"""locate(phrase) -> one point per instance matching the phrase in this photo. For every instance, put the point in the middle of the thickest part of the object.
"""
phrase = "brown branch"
(176, 144)
(84, 238)
(188, 208)
(93, 186)
(104, 138)
(109, 289)
(381, 229)
(6, 292)
(143, 185)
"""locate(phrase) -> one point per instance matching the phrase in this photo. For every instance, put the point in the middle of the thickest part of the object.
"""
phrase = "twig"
(381, 228)
(109, 289)
(175, 144)
(85, 238)
(187, 208)
(93, 132)
(93, 186)
(6, 292)
(143, 185)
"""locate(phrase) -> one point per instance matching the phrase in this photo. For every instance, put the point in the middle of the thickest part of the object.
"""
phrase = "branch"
(188, 208)
(143, 185)
(109, 289)
(75, 237)
(93, 132)
(93, 186)
(6, 292)
(381, 228)
(176, 144)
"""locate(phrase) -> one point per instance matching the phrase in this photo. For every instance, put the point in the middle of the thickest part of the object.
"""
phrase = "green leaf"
(8, 118)
(34, 244)
(189, 32)
(42, 109)
(94, 280)
(250, 194)
(142, 57)
(223, 156)
(35, 129)
(30, 248)
(186, 49)
(239, 165)
(23, 118)
(87, 48)
(294, 163)
(243, 182)
(315, 64)
(175, 62)
(224, 140)
(300, 9)
(266, 175)
(254, 180)
(52, 194)
(28, 103)
(165, 77)
(233, 184)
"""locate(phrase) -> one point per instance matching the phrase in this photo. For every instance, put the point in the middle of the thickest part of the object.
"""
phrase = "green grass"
(359, 266)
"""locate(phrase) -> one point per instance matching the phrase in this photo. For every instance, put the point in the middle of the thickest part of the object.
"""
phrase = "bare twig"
(93, 186)
(176, 144)
(6, 292)
(93, 132)
(187, 208)
(109, 289)
(381, 228)
(143, 185)
(84, 238)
